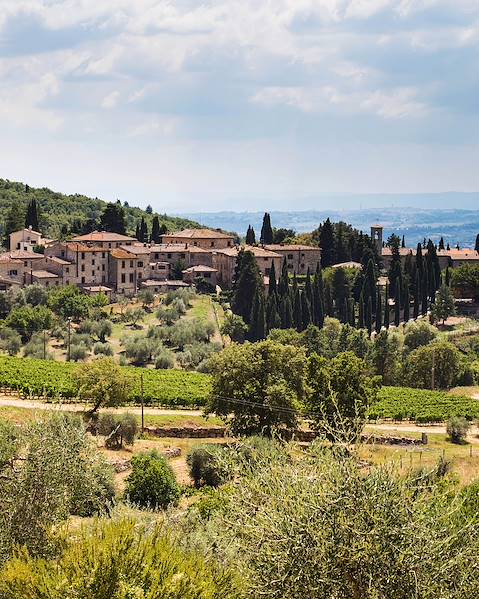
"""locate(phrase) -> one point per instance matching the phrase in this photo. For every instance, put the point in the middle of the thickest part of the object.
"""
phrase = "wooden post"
(142, 405)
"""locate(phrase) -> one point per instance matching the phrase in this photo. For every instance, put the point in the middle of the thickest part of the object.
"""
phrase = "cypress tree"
(361, 320)
(31, 217)
(286, 313)
(424, 293)
(395, 269)
(308, 288)
(397, 304)
(327, 244)
(386, 309)
(283, 285)
(403, 242)
(441, 244)
(328, 301)
(143, 231)
(369, 316)
(272, 288)
(163, 229)
(477, 244)
(257, 328)
(155, 230)
(370, 282)
(250, 236)
(448, 247)
(266, 230)
(273, 319)
(137, 232)
(297, 310)
(417, 296)
(448, 277)
(248, 286)
(14, 221)
(379, 313)
(352, 312)
(305, 310)
(407, 306)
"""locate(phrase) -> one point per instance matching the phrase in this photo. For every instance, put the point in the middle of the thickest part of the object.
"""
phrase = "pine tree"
(379, 313)
(397, 304)
(257, 328)
(113, 219)
(137, 232)
(361, 319)
(31, 217)
(444, 306)
(386, 309)
(155, 230)
(266, 230)
(143, 231)
(248, 286)
(328, 256)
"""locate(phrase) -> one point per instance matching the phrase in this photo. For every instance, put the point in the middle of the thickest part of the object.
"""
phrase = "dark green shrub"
(457, 429)
(204, 467)
(118, 429)
(152, 483)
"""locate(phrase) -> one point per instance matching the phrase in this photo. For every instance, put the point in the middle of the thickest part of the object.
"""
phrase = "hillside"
(62, 214)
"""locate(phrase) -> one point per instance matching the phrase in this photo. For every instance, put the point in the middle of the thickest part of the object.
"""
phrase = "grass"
(19, 415)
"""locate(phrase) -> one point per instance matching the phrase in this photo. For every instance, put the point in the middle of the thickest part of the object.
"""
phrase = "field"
(402, 403)
(45, 378)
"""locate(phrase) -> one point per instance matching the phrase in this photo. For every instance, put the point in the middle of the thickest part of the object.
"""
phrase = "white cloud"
(111, 100)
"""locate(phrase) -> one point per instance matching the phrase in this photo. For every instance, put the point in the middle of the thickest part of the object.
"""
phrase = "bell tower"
(377, 237)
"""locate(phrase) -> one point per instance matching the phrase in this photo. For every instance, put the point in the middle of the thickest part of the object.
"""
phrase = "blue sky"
(231, 104)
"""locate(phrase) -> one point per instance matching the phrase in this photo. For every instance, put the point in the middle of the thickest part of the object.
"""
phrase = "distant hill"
(60, 212)
(456, 226)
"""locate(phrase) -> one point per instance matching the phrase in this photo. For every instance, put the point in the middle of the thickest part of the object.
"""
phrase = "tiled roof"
(122, 254)
(169, 247)
(137, 249)
(348, 265)
(44, 274)
(257, 251)
(58, 260)
(20, 255)
(273, 247)
(104, 236)
(200, 268)
(198, 234)
(81, 247)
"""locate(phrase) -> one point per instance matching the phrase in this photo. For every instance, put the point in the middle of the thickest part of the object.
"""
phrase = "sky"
(239, 104)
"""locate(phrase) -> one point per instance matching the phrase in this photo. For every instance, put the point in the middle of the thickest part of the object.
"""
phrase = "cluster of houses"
(103, 262)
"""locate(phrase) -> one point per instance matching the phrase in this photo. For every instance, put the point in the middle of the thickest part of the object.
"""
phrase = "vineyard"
(402, 403)
(45, 378)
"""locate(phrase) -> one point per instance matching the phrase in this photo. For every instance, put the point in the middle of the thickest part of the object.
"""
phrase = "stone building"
(225, 261)
(203, 238)
(298, 257)
(27, 239)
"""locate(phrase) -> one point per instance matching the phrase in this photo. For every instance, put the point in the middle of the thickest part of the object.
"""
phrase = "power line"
(263, 406)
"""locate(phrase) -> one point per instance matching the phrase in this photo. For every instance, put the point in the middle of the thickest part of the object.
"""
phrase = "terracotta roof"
(81, 247)
(169, 247)
(8, 281)
(257, 251)
(454, 254)
(58, 260)
(122, 254)
(199, 234)
(200, 268)
(105, 236)
(44, 274)
(348, 265)
(26, 230)
(20, 255)
(291, 247)
(158, 282)
(98, 289)
(136, 249)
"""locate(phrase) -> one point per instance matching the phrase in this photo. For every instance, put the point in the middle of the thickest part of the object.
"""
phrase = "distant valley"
(456, 226)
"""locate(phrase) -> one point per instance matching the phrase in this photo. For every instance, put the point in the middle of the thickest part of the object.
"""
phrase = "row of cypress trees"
(157, 230)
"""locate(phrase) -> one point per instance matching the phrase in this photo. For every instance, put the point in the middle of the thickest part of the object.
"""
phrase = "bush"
(10, 341)
(168, 315)
(457, 429)
(139, 349)
(37, 348)
(187, 295)
(165, 359)
(151, 483)
(418, 334)
(443, 356)
(78, 352)
(204, 467)
(103, 349)
(118, 429)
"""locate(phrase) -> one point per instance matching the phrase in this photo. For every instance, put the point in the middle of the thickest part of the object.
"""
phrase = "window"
(67, 270)
(103, 267)
(207, 275)
(140, 264)
(131, 263)
(266, 271)
(93, 262)
(131, 277)
(123, 277)
(265, 259)
(290, 267)
(290, 256)
(229, 244)
(83, 255)
(103, 254)
(157, 256)
(139, 275)
(123, 264)
(182, 255)
(83, 280)
(109, 245)
(94, 253)
(212, 244)
(25, 263)
(169, 256)
(62, 253)
(92, 273)
(13, 273)
(83, 268)
(302, 265)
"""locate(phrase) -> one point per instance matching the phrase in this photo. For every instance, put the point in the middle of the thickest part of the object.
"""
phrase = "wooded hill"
(61, 215)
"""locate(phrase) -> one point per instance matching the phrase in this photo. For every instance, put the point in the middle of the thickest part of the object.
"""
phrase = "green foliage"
(78, 352)
(58, 379)
(341, 394)
(56, 471)
(118, 429)
(164, 359)
(103, 349)
(418, 334)
(120, 559)
(437, 365)
(319, 527)
(260, 385)
(403, 403)
(27, 320)
(444, 306)
(10, 341)
(9, 441)
(103, 383)
(69, 302)
(457, 429)
(385, 356)
(37, 347)
(235, 327)
(64, 214)
(35, 295)
(465, 281)
(151, 483)
(204, 467)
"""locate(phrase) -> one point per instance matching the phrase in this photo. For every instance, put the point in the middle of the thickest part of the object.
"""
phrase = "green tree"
(258, 388)
(465, 281)
(69, 302)
(152, 483)
(103, 383)
(266, 230)
(113, 219)
(235, 327)
(257, 328)
(27, 320)
(248, 285)
(341, 394)
(476, 247)
(15, 221)
(155, 230)
(385, 357)
(250, 236)
(418, 334)
(328, 255)
(434, 366)
(379, 313)
(31, 218)
(444, 306)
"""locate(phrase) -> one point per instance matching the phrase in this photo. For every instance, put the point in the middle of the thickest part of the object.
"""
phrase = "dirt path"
(439, 429)
(72, 407)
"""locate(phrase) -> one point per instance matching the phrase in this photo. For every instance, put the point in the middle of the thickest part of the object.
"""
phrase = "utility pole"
(433, 370)
(142, 405)
(44, 344)
(69, 338)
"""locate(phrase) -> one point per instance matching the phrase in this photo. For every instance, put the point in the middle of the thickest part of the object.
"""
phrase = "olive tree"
(103, 383)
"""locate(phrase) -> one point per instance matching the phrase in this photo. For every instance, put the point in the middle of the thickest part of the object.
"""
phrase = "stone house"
(104, 240)
(27, 239)
(123, 271)
(203, 238)
(18, 265)
(225, 261)
(298, 257)
(206, 272)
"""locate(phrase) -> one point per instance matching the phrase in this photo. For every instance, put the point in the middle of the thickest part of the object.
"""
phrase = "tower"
(377, 237)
